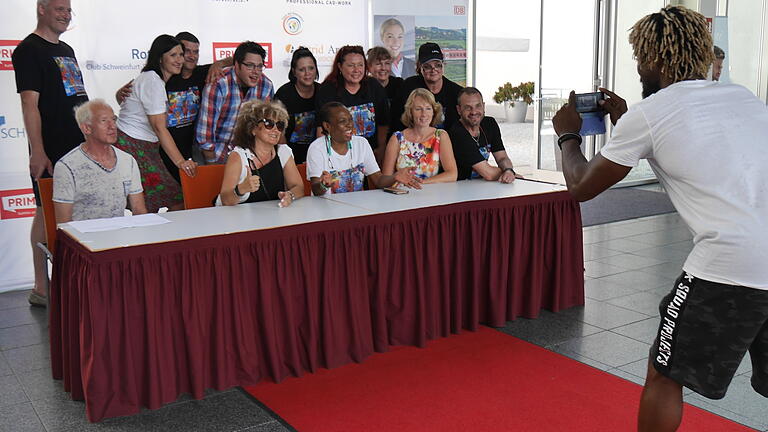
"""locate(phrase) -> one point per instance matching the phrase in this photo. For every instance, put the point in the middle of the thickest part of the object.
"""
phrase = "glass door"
(568, 56)
(620, 68)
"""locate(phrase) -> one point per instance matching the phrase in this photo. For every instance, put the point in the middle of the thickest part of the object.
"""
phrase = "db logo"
(459, 10)
(6, 51)
(18, 203)
(223, 50)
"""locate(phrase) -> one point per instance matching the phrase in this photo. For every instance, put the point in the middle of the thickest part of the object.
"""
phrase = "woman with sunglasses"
(258, 168)
(366, 99)
(339, 161)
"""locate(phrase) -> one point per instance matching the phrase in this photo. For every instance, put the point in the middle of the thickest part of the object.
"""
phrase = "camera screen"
(588, 102)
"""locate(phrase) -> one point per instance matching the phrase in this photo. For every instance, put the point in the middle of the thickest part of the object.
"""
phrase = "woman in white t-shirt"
(258, 168)
(142, 125)
(339, 162)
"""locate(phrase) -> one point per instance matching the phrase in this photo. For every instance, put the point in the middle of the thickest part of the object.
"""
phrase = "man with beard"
(221, 100)
(705, 142)
(475, 137)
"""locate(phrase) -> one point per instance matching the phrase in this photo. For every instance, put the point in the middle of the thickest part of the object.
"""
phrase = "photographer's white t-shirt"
(707, 144)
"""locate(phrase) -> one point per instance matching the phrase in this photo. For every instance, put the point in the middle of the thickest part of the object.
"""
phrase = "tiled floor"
(629, 266)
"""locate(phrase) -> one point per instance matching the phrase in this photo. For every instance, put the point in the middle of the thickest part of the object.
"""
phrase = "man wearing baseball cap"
(429, 75)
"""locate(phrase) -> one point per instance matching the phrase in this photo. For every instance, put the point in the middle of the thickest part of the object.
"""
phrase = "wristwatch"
(510, 170)
(237, 191)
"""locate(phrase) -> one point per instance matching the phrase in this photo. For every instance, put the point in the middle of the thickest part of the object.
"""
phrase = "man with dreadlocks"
(704, 140)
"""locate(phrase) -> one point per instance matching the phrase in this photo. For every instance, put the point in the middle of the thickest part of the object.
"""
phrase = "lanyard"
(328, 149)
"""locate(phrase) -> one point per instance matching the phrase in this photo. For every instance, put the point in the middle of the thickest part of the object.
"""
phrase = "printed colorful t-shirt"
(369, 106)
(348, 170)
(302, 128)
(51, 70)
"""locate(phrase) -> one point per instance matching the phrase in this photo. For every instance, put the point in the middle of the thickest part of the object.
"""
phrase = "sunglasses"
(269, 124)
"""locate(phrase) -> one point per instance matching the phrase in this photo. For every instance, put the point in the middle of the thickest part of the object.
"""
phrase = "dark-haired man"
(50, 84)
(475, 137)
(221, 100)
(705, 142)
(430, 76)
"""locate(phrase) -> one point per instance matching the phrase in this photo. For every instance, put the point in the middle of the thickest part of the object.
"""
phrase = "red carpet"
(482, 381)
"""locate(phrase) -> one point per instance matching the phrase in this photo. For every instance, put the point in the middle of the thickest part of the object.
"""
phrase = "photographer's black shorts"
(705, 330)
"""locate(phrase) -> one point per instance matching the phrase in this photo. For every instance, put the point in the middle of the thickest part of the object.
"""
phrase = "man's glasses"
(270, 124)
(252, 66)
(436, 66)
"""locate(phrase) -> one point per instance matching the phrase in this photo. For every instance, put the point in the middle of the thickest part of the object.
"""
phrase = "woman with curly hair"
(258, 168)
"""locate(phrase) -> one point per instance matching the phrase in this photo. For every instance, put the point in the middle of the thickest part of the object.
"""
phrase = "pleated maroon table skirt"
(138, 326)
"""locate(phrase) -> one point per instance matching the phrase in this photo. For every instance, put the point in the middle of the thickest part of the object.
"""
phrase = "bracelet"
(293, 195)
(237, 191)
(568, 136)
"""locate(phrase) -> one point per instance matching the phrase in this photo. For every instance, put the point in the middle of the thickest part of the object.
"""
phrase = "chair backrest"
(45, 185)
(200, 191)
(303, 173)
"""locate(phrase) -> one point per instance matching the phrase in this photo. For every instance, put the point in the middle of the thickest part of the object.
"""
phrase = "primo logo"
(10, 132)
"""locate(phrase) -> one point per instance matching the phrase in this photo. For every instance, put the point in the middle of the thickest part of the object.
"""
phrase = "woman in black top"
(380, 68)
(298, 96)
(258, 168)
(366, 100)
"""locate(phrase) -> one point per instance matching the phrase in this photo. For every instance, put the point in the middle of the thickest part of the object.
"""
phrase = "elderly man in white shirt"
(95, 179)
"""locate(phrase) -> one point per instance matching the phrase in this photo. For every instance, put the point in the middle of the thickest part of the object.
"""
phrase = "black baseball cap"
(430, 51)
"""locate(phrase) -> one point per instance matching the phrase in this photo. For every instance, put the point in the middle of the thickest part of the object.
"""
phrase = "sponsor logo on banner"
(459, 10)
(6, 51)
(293, 24)
(222, 50)
(138, 58)
(17, 203)
(10, 132)
(324, 53)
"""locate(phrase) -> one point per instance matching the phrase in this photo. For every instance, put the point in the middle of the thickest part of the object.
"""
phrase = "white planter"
(515, 114)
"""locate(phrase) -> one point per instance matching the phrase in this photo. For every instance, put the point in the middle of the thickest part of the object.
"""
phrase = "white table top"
(431, 195)
(213, 221)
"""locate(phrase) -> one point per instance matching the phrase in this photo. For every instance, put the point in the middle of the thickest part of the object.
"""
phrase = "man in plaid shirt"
(220, 101)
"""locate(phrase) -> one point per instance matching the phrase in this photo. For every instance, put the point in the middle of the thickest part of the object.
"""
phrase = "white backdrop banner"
(111, 39)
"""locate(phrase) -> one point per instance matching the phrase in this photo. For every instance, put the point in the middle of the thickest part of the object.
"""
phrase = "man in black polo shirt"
(50, 84)
(475, 137)
(429, 76)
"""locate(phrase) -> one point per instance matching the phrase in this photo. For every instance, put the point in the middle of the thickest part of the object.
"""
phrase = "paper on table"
(109, 224)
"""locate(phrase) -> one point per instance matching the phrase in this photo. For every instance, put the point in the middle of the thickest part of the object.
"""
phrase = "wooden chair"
(45, 185)
(201, 190)
(303, 173)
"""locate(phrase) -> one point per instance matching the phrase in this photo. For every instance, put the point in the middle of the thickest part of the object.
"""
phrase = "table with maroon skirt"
(232, 296)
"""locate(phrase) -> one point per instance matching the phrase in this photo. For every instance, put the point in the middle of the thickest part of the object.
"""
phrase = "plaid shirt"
(219, 105)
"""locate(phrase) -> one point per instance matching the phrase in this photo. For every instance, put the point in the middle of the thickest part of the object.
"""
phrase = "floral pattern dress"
(425, 156)
(160, 188)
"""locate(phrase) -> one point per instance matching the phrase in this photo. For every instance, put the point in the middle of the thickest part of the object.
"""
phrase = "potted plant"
(515, 100)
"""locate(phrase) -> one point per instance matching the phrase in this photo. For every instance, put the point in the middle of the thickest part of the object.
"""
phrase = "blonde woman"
(420, 145)
(258, 168)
